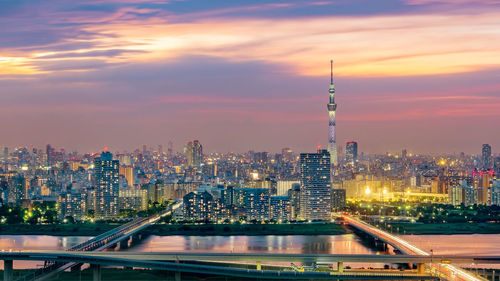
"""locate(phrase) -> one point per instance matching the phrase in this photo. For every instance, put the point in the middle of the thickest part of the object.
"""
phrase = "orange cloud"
(16, 66)
(388, 45)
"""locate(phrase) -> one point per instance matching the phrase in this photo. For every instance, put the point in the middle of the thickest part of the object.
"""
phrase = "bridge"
(237, 264)
(211, 264)
(106, 240)
(445, 271)
(66, 256)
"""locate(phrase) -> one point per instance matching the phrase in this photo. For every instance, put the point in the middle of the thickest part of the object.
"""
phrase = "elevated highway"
(98, 243)
(179, 263)
(65, 256)
(445, 271)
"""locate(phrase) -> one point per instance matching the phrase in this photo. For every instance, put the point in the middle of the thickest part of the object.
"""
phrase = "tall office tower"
(129, 174)
(160, 149)
(496, 165)
(351, 153)
(6, 158)
(404, 154)
(332, 107)
(17, 189)
(170, 149)
(315, 191)
(486, 157)
(50, 151)
(194, 153)
(287, 154)
(483, 185)
(107, 186)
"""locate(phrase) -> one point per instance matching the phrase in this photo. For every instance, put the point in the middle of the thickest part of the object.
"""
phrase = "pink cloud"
(424, 2)
(382, 45)
(215, 99)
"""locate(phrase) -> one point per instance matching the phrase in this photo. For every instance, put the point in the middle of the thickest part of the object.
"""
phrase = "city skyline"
(87, 76)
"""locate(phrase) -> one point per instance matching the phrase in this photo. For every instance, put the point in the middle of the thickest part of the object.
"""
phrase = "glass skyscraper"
(351, 153)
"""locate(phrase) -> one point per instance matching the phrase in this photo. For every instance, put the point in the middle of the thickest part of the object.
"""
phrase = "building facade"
(315, 189)
(107, 186)
(72, 204)
(198, 206)
(486, 161)
(194, 154)
(257, 204)
(338, 199)
(351, 153)
(280, 208)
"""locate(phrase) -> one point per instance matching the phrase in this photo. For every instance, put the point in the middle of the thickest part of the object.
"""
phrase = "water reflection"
(459, 244)
(306, 244)
(479, 244)
(36, 242)
(297, 244)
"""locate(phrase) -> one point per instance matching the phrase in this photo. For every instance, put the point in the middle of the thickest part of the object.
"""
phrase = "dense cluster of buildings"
(250, 186)
(254, 186)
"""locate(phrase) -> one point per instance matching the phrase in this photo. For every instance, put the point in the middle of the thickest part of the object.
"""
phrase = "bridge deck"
(115, 259)
(59, 256)
(448, 271)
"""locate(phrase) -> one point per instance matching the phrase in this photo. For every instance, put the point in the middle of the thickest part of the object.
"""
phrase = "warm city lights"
(249, 140)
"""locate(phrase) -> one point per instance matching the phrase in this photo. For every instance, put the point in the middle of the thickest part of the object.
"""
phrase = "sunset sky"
(250, 75)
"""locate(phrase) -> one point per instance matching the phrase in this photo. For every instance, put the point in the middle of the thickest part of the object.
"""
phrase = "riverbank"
(81, 229)
(445, 228)
(248, 229)
(94, 229)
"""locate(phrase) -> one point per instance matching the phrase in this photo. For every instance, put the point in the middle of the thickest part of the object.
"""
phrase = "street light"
(367, 190)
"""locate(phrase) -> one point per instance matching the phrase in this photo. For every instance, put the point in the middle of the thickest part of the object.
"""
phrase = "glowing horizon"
(409, 74)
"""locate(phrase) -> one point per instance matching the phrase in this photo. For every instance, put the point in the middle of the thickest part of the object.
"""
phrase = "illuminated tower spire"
(332, 107)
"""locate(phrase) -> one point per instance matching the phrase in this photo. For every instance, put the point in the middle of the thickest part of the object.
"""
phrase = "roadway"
(65, 256)
(99, 243)
(448, 271)
(96, 260)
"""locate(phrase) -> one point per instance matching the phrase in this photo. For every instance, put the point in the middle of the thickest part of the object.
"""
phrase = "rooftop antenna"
(331, 72)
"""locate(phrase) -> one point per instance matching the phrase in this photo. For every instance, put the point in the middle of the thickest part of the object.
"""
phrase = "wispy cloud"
(389, 45)
(242, 71)
(425, 2)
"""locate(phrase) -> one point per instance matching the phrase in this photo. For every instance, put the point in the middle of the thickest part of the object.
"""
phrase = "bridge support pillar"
(421, 268)
(136, 238)
(124, 244)
(96, 272)
(8, 270)
(76, 267)
(340, 266)
(259, 265)
(177, 276)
